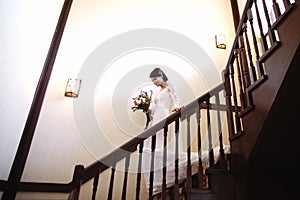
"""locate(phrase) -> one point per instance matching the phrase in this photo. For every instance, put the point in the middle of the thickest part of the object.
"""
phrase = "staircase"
(264, 154)
(258, 98)
(257, 81)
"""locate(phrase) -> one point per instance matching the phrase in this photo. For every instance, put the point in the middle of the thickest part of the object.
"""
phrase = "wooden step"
(221, 187)
(196, 194)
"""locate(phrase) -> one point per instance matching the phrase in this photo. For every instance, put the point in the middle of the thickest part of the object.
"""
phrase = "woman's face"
(157, 81)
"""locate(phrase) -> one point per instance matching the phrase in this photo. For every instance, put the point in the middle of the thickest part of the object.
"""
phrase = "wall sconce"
(72, 87)
(220, 41)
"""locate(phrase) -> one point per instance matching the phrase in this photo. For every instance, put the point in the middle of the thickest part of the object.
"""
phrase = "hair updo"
(157, 72)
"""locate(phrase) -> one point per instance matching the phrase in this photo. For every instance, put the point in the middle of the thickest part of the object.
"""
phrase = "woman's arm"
(175, 99)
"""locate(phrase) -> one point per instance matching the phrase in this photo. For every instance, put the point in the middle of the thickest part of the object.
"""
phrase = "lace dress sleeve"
(174, 96)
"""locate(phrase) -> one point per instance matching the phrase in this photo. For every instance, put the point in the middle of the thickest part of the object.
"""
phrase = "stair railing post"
(76, 182)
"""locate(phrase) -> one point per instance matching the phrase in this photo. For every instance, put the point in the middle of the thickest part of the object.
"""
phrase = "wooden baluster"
(244, 64)
(270, 31)
(210, 148)
(240, 79)
(236, 110)
(263, 39)
(139, 172)
(152, 166)
(127, 161)
(111, 185)
(222, 155)
(228, 98)
(258, 64)
(95, 183)
(200, 166)
(164, 179)
(253, 71)
(188, 141)
(176, 186)
(286, 4)
(232, 73)
(266, 13)
(276, 9)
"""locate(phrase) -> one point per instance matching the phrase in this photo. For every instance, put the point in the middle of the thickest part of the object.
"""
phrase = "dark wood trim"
(235, 13)
(33, 116)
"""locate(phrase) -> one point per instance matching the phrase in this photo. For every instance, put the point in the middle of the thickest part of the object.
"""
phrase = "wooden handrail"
(244, 72)
(131, 146)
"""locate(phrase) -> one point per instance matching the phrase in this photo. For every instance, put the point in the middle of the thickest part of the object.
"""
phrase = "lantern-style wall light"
(73, 87)
(220, 41)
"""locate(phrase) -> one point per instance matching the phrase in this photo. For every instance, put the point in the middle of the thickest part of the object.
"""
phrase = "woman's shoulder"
(171, 88)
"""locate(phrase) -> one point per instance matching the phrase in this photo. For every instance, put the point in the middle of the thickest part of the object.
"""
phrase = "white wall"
(27, 29)
(112, 45)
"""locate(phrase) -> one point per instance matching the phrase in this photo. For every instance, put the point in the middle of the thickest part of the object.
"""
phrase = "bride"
(164, 103)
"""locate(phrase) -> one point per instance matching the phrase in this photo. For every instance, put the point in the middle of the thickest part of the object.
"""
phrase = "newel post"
(76, 182)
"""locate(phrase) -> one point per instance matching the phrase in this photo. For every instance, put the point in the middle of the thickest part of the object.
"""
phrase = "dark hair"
(157, 72)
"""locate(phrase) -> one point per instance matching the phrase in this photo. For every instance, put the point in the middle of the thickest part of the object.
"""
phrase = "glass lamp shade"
(220, 41)
(72, 87)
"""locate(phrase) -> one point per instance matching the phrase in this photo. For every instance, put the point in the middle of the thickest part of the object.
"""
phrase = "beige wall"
(79, 131)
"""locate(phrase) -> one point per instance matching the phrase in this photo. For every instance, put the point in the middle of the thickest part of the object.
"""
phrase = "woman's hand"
(149, 111)
(176, 109)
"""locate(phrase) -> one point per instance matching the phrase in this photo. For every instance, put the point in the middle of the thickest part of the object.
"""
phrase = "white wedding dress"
(165, 100)
(161, 107)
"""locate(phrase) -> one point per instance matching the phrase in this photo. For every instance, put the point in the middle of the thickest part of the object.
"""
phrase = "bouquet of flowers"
(142, 102)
